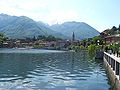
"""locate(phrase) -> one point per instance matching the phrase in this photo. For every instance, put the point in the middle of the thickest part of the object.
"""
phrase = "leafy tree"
(82, 47)
(84, 42)
(113, 30)
(96, 38)
(119, 27)
(51, 38)
(91, 48)
(34, 38)
(41, 37)
(47, 38)
(2, 38)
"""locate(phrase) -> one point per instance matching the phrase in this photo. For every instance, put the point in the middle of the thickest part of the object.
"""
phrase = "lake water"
(33, 69)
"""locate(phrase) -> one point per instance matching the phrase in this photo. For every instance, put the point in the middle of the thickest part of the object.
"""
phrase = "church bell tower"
(73, 37)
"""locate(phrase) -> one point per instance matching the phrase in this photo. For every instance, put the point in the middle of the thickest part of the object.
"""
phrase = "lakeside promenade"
(112, 64)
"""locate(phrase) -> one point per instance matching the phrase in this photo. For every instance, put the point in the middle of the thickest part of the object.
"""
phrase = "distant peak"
(74, 22)
(2, 14)
(24, 17)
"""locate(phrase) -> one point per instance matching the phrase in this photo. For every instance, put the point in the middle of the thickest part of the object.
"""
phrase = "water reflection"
(51, 71)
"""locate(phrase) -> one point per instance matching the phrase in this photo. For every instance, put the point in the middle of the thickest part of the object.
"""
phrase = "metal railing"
(114, 63)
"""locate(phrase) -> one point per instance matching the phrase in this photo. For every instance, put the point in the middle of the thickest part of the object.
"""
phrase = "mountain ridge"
(23, 27)
(81, 29)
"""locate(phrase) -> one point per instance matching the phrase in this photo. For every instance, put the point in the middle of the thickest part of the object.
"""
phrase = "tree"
(41, 37)
(2, 38)
(84, 42)
(95, 40)
(34, 38)
(50, 38)
(113, 30)
(119, 27)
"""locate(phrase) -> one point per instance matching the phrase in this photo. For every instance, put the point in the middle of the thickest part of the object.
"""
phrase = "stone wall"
(115, 82)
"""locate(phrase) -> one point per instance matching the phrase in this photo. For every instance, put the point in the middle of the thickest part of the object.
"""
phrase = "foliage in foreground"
(2, 38)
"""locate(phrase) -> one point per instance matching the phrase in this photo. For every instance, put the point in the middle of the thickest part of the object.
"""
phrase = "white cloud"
(21, 7)
(42, 10)
(31, 5)
(60, 16)
(39, 10)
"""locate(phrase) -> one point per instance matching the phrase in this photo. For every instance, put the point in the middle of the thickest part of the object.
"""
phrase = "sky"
(100, 14)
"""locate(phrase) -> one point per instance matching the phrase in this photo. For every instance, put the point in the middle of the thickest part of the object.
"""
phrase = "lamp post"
(117, 48)
(98, 42)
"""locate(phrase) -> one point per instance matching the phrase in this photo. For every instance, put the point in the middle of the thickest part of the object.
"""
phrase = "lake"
(35, 69)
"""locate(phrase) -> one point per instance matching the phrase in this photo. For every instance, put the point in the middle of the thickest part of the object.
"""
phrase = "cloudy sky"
(100, 14)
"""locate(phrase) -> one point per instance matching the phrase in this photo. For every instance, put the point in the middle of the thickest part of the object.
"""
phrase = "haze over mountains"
(80, 29)
(23, 27)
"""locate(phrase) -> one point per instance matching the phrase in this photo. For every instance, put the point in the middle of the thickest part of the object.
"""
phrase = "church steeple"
(73, 37)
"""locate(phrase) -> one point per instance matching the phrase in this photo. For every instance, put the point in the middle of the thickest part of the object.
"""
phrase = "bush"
(38, 46)
(91, 48)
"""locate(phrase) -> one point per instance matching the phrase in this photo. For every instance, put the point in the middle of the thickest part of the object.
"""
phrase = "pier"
(112, 64)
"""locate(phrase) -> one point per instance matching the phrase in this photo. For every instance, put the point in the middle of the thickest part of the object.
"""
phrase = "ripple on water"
(9, 78)
(49, 70)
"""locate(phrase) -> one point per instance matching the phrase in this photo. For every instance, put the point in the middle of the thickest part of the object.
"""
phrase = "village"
(62, 44)
(39, 43)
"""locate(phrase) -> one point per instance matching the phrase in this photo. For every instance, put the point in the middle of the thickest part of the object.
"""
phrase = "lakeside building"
(112, 39)
(10, 43)
(104, 34)
(108, 38)
(28, 42)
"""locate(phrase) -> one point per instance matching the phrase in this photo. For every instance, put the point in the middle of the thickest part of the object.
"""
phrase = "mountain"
(22, 27)
(80, 29)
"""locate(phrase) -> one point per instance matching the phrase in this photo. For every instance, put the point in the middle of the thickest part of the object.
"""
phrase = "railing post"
(110, 60)
(113, 64)
(117, 68)
(119, 71)
(107, 58)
